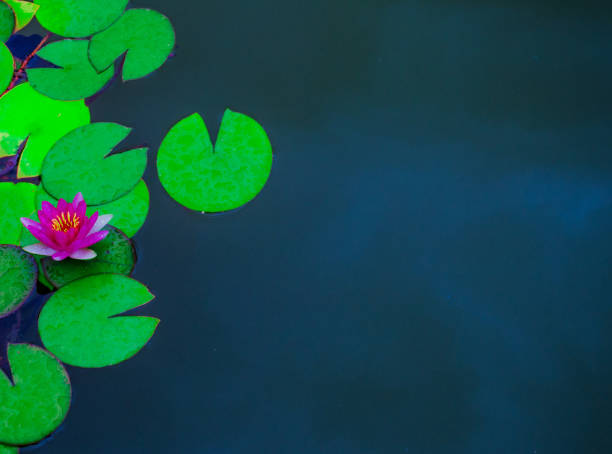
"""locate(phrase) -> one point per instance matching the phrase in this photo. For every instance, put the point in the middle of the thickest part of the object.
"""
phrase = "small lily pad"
(115, 255)
(27, 114)
(37, 401)
(24, 12)
(16, 201)
(78, 18)
(81, 323)
(146, 35)
(75, 78)
(18, 274)
(78, 162)
(7, 67)
(222, 178)
(7, 22)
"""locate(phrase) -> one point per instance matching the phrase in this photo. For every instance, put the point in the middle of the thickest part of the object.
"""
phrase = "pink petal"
(39, 232)
(59, 256)
(62, 206)
(77, 199)
(39, 249)
(83, 254)
(48, 209)
(101, 223)
(90, 239)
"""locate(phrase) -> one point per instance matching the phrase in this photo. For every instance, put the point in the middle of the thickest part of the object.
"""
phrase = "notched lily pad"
(16, 201)
(115, 255)
(18, 275)
(37, 401)
(81, 323)
(80, 162)
(146, 35)
(75, 78)
(222, 178)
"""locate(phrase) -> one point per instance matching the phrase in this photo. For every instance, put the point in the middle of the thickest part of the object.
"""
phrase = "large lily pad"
(115, 255)
(38, 401)
(18, 274)
(78, 162)
(7, 22)
(78, 18)
(16, 201)
(4, 449)
(81, 325)
(75, 78)
(7, 67)
(222, 178)
(27, 114)
(24, 12)
(146, 35)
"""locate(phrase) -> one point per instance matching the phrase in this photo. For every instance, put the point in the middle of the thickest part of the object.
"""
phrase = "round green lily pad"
(81, 323)
(4, 449)
(78, 18)
(78, 162)
(24, 12)
(27, 114)
(16, 201)
(7, 67)
(18, 274)
(115, 255)
(222, 178)
(38, 402)
(146, 35)
(7, 22)
(75, 78)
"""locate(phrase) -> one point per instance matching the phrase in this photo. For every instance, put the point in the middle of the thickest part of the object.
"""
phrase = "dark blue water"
(428, 269)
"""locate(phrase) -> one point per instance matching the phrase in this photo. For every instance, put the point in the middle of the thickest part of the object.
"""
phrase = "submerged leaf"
(82, 326)
(222, 178)
(38, 402)
(78, 162)
(16, 201)
(18, 274)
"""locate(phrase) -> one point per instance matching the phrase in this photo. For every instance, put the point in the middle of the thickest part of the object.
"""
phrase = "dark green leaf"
(16, 201)
(7, 22)
(18, 274)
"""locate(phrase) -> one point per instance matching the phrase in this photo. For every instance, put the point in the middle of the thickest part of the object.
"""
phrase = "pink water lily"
(66, 231)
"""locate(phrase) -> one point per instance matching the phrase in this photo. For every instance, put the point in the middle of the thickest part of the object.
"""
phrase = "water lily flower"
(66, 231)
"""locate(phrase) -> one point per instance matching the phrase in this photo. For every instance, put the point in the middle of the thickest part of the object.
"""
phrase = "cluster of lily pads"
(50, 152)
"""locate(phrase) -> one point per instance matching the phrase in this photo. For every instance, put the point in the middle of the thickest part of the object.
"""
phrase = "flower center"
(64, 222)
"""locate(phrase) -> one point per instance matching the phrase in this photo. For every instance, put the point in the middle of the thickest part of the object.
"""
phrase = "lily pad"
(4, 449)
(115, 255)
(75, 78)
(82, 326)
(146, 35)
(78, 18)
(7, 22)
(18, 274)
(24, 12)
(222, 178)
(16, 201)
(38, 401)
(27, 114)
(7, 67)
(78, 162)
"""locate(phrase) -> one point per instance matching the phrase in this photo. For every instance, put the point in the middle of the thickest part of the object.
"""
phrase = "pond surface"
(428, 268)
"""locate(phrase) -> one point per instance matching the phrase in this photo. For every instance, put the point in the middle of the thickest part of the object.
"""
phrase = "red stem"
(25, 62)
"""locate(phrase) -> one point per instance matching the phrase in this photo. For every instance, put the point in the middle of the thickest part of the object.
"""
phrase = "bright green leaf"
(115, 255)
(81, 325)
(24, 12)
(7, 67)
(26, 114)
(16, 201)
(18, 274)
(78, 18)
(4, 449)
(7, 22)
(75, 78)
(38, 402)
(222, 178)
(78, 163)
(146, 35)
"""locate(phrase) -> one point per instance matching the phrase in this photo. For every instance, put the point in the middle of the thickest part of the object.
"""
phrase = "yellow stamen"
(64, 222)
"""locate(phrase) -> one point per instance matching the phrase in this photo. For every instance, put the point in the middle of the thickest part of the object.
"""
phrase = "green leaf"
(26, 114)
(81, 326)
(18, 274)
(4, 449)
(7, 22)
(146, 35)
(24, 12)
(78, 18)
(78, 163)
(115, 255)
(220, 179)
(38, 402)
(75, 78)
(16, 201)
(7, 67)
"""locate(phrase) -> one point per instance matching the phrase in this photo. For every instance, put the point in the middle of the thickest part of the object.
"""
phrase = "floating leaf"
(7, 67)
(78, 163)
(75, 78)
(78, 18)
(115, 255)
(24, 12)
(38, 401)
(4, 449)
(220, 179)
(18, 274)
(26, 114)
(16, 201)
(81, 326)
(146, 35)
(7, 22)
